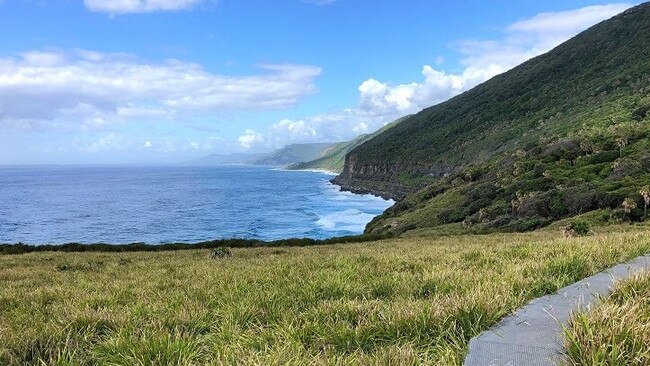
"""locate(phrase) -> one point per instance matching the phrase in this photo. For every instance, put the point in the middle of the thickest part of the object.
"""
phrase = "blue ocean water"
(117, 205)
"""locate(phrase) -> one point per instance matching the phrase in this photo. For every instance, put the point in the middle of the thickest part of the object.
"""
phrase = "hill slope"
(333, 158)
(552, 95)
(225, 159)
(294, 153)
(564, 133)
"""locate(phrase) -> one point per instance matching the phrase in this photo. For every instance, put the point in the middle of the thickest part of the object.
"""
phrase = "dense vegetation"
(406, 301)
(537, 184)
(562, 134)
(616, 332)
(21, 248)
(333, 158)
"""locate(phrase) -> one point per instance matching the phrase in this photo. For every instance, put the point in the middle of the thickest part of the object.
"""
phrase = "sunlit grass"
(408, 301)
(616, 332)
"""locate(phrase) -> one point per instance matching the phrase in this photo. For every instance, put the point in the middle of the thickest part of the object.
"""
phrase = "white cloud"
(338, 126)
(381, 102)
(147, 144)
(138, 6)
(96, 88)
(539, 34)
(568, 22)
(249, 138)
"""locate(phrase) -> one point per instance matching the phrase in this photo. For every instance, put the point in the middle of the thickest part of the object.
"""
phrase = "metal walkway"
(533, 335)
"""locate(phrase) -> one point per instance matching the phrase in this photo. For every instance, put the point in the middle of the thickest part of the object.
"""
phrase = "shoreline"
(322, 171)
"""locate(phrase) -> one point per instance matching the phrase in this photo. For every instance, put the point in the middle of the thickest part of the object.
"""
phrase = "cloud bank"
(97, 88)
(138, 6)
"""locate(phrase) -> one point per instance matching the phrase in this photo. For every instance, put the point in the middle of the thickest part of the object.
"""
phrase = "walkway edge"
(533, 335)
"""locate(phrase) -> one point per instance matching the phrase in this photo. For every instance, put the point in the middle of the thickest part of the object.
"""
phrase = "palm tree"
(621, 142)
(628, 206)
(645, 193)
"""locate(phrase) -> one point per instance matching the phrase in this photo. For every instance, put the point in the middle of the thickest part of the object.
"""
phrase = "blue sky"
(145, 81)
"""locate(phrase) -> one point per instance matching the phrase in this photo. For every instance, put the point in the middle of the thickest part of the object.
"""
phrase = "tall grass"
(615, 333)
(407, 301)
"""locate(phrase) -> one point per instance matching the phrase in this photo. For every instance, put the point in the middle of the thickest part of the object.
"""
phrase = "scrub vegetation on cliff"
(405, 301)
(565, 133)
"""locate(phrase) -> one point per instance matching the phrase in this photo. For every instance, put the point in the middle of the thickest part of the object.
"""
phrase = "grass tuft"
(616, 332)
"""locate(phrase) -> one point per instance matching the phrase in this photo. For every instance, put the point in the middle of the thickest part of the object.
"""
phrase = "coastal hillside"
(580, 84)
(562, 134)
(333, 158)
(290, 154)
(294, 153)
(226, 159)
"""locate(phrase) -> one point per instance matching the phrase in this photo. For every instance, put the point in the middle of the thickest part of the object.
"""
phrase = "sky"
(164, 81)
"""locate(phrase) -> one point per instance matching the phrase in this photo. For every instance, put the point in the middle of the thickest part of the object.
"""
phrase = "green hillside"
(225, 159)
(294, 153)
(562, 134)
(333, 158)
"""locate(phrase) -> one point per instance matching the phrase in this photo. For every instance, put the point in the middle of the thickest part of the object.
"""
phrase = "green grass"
(405, 301)
(616, 332)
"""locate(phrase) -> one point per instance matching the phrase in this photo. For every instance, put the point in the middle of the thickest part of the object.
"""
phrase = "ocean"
(162, 204)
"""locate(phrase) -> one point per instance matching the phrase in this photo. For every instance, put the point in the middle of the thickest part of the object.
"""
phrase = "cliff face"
(387, 180)
(551, 97)
(372, 179)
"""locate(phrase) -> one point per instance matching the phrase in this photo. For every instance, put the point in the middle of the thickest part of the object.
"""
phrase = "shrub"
(474, 206)
(451, 215)
(580, 199)
(645, 162)
(612, 216)
(400, 207)
(486, 190)
(603, 157)
(576, 228)
(568, 149)
(528, 224)
(499, 222)
(628, 206)
(539, 170)
(533, 205)
(556, 204)
(641, 112)
(220, 253)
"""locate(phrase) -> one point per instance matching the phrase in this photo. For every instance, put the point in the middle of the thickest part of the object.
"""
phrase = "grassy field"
(617, 332)
(407, 301)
